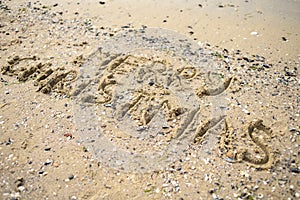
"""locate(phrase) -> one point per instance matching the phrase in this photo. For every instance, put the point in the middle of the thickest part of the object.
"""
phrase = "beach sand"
(48, 50)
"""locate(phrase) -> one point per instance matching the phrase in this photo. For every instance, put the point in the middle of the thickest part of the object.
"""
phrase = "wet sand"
(257, 27)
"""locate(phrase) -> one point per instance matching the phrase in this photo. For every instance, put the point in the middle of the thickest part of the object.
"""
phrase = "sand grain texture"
(241, 137)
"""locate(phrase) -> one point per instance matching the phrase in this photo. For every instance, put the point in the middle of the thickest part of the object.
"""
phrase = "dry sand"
(251, 153)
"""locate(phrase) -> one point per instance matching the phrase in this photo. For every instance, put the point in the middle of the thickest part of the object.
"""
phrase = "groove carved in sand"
(149, 102)
(45, 78)
(214, 89)
(256, 130)
(151, 96)
(151, 93)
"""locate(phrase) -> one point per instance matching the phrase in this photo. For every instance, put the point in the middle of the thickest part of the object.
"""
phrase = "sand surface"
(149, 99)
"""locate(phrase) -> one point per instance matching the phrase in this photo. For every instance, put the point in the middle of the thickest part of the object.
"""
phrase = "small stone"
(206, 160)
(282, 181)
(207, 177)
(21, 188)
(230, 154)
(297, 194)
(71, 176)
(107, 186)
(214, 196)
(254, 33)
(165, 126)
(47, 149)
(174, 183)
(245, 174)
(260, 196)
(151, 83)
(55, 164)
(5, 194)
(48, 162)
(255, 187)
(20, 182)
(295, 170)
(102, 2)
(248, 59)
(246, 111)
(16, 195)
(24, 144)
(9, 141)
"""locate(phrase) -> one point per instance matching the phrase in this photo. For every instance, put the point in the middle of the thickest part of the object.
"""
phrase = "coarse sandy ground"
(257, 42)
